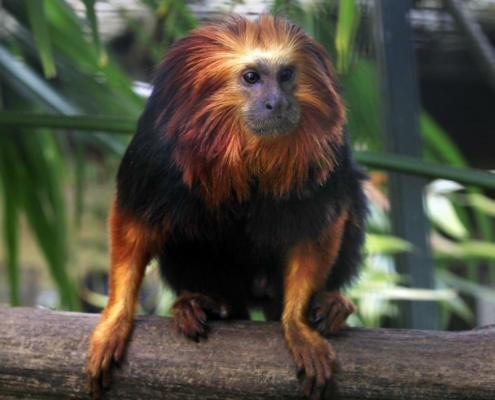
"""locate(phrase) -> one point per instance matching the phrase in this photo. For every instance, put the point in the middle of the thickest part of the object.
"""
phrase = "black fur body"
(236, 252)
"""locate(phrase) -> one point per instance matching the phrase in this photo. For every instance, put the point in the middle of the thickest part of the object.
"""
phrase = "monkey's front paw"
(329, 310)
(107, 346)
(314, 366)
(190, 312)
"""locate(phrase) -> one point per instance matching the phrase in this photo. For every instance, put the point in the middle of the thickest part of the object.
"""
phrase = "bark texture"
(43, 355)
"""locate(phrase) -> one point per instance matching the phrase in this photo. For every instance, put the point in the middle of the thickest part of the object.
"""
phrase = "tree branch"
(43, 355)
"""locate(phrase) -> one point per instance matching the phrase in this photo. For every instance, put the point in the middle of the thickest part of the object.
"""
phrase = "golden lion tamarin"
(240, 180)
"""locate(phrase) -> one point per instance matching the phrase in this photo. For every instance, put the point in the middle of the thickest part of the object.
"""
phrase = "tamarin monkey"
(240, 180)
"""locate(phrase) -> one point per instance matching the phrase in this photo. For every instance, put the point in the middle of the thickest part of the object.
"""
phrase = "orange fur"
(210, 119)
(307, 268)
(132, 246)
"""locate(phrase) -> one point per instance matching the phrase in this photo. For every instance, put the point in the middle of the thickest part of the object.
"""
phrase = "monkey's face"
(249, 99)
(270, 106)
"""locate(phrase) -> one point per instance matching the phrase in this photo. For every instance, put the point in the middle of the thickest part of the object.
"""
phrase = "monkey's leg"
(131, 250)
(329, 309)
(307, 268)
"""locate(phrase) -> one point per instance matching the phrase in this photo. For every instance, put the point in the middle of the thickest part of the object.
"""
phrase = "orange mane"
(203, 114)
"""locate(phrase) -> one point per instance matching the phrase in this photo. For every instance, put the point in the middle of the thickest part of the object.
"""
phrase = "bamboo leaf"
(404, 293)
(11, 225)
(459, 307)
(445, 150)
(93, 22)
(467, 250)
(362, 103)
(471, 288)
(32, 87)
(43, 203)
(39, 27)
(399, 163)
(79, 193)
(440, 143)
(481, 202)
(478, 249)
(347, 24)
(104, 123)
(443, 214)
(386, 244)
(164, 8)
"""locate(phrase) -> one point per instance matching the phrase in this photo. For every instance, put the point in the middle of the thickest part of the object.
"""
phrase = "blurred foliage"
(455, 229)
(51, 67)
(55, 66)
(35, 161)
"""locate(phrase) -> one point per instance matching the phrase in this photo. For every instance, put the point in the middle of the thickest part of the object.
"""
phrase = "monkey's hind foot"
(329, 310)
(190, 312)
(314, 358)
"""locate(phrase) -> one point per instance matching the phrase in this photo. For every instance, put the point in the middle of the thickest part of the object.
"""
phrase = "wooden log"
(43, 355)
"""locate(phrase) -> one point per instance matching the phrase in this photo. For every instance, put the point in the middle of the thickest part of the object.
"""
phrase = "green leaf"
(404, 293)
(104, 123)
(39, 27)
(399, 163)
(442, 213)
(93, 22)
(10, 194)
(39, 170)
(347, 24)
(471, 288)
(467, 250)
(79, 190)
(164, 8)
(31, 86)
(445, 150)
(478, 249)
(460, 308)
(362, 103)
(481, 202)
(386, 244)
(439, 142)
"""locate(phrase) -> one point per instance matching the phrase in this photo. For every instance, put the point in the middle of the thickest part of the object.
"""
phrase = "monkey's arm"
(132, 247)
(308, 265)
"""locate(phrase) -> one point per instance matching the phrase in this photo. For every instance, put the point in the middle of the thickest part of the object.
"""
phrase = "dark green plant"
(47, 38)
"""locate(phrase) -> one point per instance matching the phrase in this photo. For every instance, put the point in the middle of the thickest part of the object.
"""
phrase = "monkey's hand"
(329, 310)
(190, 312)
(313, 356)
(107, 346)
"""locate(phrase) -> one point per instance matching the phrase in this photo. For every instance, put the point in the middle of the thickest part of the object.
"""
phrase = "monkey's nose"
(275, 103)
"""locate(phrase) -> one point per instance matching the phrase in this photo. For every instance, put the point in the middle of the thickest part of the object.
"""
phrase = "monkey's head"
(246, 99)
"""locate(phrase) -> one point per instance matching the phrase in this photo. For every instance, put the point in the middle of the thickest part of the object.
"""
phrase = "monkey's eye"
(286, 75)
(251, 77)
